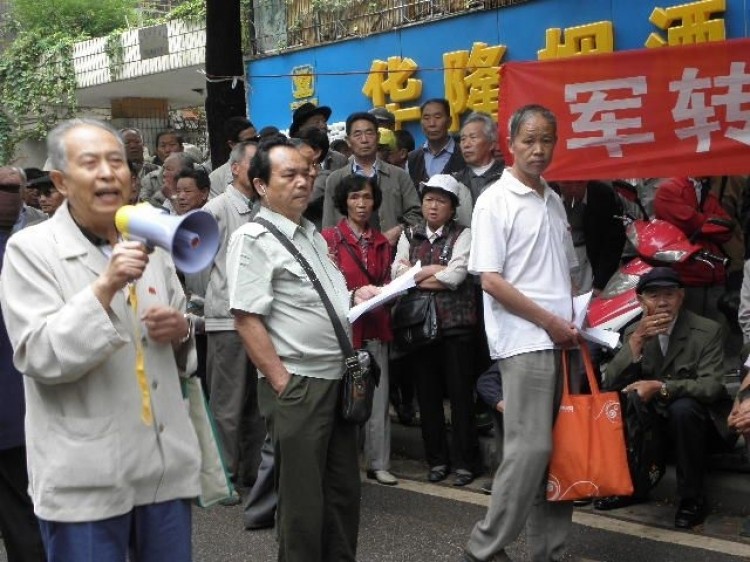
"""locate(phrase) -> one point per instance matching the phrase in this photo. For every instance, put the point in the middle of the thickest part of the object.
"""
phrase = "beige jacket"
(90, 456)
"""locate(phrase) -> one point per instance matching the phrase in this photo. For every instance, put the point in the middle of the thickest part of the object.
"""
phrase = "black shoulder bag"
(415, 319)
(362, 373)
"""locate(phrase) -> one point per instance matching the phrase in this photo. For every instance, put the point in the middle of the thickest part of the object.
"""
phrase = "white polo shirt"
(525, 237)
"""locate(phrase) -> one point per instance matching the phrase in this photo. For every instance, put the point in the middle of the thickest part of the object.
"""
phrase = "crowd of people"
(97, 331)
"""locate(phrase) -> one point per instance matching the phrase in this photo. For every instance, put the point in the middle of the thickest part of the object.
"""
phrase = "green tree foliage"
(37, 78)
(88, 18)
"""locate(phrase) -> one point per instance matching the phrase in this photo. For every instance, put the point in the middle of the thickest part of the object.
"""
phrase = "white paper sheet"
(580, 306)
(398, 286)
(599, 336)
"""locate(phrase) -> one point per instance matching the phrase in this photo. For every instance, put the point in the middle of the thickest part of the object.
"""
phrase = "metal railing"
(281, 24)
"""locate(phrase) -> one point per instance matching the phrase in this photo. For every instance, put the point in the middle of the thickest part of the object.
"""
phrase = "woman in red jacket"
(363, 255)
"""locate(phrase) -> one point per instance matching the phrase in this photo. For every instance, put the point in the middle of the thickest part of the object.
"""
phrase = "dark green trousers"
(317, 471)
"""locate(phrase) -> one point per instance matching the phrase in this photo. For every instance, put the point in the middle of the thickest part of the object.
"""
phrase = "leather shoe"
(463, 478)
(382, 477)
(690, 513)
(258, 525)
(616, 502)
(437, 474)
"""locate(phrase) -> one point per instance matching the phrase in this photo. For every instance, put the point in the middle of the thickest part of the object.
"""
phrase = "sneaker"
(382, 477)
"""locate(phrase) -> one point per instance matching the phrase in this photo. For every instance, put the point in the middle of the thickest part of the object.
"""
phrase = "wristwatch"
(663, 391)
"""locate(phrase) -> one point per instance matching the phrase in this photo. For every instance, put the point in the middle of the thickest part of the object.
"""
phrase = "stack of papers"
(397, 287)
(598, 336)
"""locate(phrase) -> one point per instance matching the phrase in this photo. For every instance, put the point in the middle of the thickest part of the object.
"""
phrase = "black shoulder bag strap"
(448, 248)
(341, 335)
(354, 256)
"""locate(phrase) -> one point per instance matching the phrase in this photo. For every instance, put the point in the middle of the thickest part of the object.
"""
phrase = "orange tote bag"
(589, 458)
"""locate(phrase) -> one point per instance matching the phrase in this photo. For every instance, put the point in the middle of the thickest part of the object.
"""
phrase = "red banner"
(669, 111)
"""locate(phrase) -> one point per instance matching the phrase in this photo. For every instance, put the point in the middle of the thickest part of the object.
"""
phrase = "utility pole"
(225, 97)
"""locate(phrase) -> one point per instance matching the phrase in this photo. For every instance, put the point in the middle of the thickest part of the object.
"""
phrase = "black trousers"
(688, 428)
(19, 525)
(447, 367)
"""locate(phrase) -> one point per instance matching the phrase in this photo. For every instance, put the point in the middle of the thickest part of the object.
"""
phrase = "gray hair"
(238, 151)
(489, 127)
(57, 154)
(186, 161)
(525, 113)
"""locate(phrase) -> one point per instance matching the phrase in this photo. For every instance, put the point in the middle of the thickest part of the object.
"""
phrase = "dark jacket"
(692, 367)
(477, 184)
(11, 385)
(418, 170)
(603, 232)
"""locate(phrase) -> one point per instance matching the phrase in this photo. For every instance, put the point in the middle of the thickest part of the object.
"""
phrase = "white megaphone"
(192, 239)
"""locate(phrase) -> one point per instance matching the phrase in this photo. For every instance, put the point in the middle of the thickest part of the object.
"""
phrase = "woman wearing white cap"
(443, 367)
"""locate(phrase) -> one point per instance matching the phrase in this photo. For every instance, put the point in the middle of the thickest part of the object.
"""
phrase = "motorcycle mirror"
(626, 190)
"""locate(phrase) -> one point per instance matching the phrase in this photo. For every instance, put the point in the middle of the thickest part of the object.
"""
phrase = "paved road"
(420, 522)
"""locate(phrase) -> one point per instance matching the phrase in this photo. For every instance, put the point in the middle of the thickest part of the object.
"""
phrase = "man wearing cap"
(673, 359)
(30, 178)
(309, 114)
(30, 194)
(400, 201)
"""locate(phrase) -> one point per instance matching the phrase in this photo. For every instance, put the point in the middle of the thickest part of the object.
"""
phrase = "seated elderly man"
(673, 359)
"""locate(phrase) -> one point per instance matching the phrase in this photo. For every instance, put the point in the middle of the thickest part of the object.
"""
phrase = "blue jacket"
(12, 407)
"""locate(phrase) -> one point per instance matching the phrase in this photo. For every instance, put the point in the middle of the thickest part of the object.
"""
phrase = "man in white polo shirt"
(523, 252)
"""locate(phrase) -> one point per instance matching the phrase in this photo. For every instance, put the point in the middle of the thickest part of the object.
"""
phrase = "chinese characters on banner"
(470, 77)
(646, 113)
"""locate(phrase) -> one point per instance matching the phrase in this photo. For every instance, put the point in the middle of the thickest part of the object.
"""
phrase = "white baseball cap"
(443, 182)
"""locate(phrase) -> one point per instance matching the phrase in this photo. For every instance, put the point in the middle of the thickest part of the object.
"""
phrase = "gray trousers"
(260, 505)
(233, 384)
(531, 390)
(378, 428)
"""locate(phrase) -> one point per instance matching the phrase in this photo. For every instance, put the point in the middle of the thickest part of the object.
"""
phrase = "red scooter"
(656, 243)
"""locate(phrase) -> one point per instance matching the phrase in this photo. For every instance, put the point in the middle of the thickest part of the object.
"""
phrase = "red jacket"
(676, 202)
(376, 257)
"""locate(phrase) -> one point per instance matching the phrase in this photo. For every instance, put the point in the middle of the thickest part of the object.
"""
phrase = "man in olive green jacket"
(673, 359)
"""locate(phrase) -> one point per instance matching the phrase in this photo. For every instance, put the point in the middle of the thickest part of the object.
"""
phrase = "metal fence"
(283, 24)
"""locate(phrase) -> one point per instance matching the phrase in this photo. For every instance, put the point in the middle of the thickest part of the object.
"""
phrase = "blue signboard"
(403, 68)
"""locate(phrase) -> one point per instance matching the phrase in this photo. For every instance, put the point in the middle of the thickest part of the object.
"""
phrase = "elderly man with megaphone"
(98, 331)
